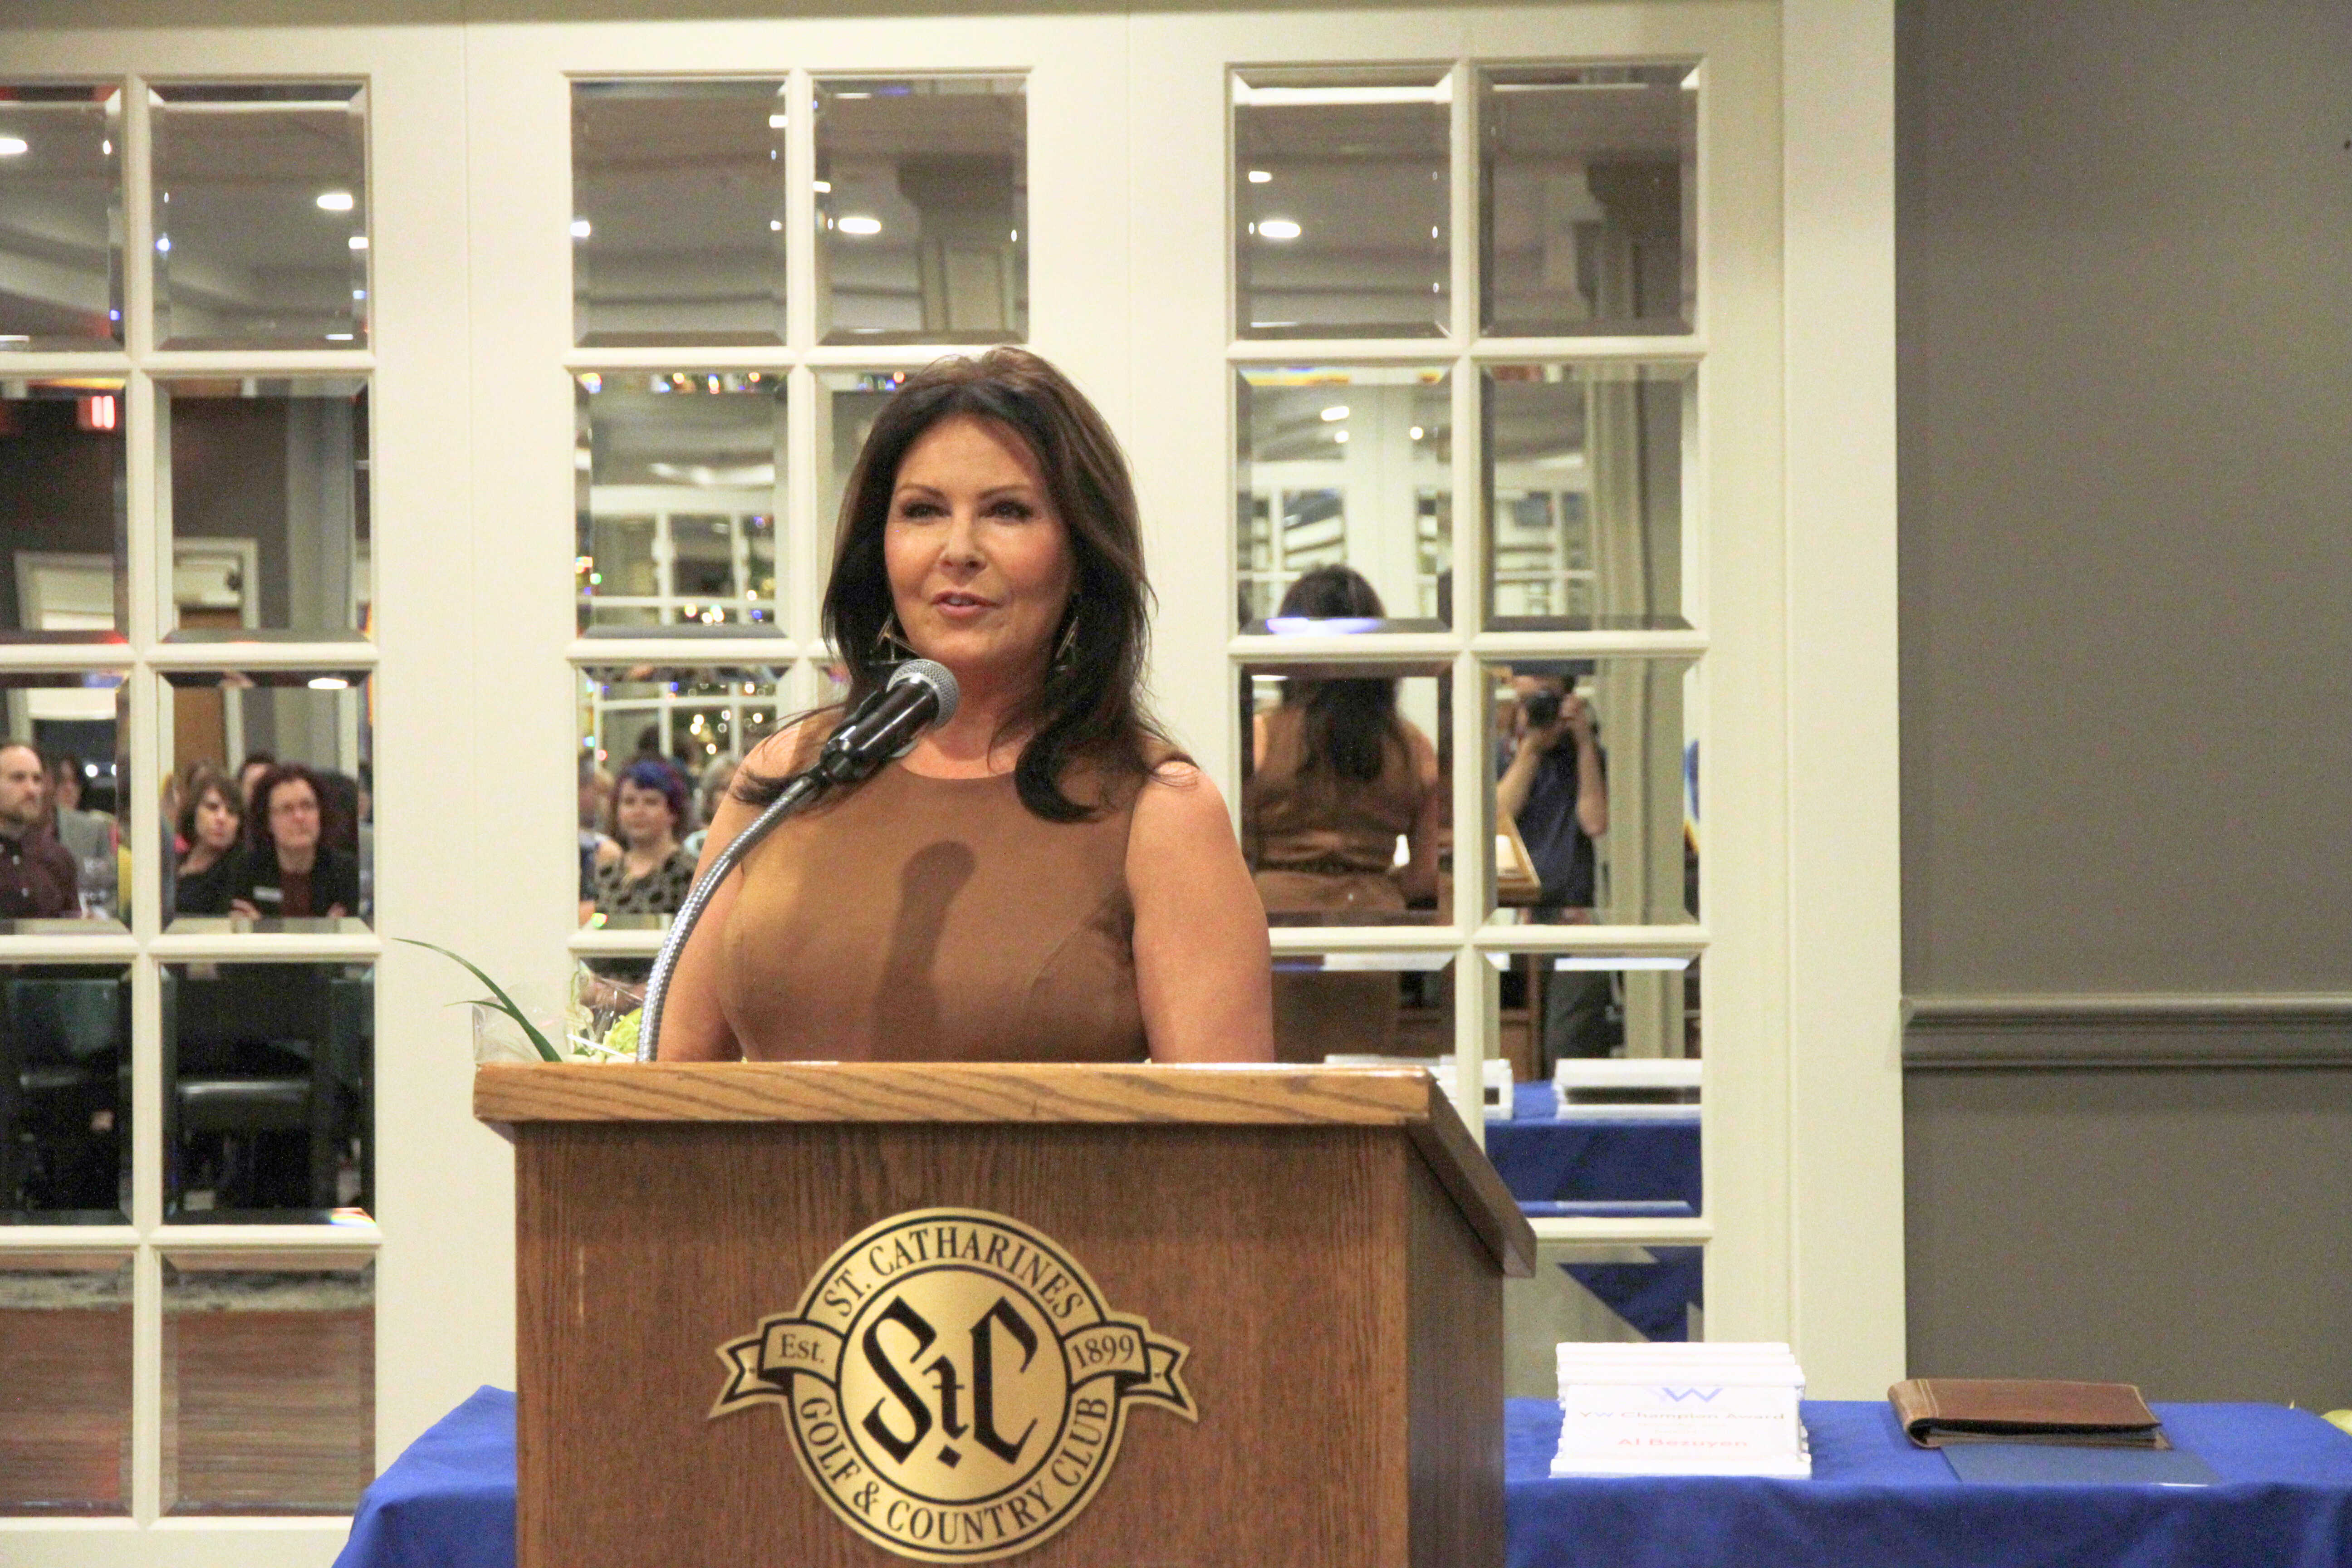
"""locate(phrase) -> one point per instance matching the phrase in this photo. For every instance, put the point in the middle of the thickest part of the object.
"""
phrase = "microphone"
(919, 696)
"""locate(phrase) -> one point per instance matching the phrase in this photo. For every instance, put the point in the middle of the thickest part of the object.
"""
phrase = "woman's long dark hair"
(1088, 710)
(1350, 724)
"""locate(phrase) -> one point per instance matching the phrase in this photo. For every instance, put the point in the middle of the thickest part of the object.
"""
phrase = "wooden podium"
(1320, 1250)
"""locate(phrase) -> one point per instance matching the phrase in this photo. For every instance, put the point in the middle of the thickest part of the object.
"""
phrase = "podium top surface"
(1056, 1094)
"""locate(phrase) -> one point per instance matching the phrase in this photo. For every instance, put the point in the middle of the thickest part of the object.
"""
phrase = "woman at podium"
(1044, 877)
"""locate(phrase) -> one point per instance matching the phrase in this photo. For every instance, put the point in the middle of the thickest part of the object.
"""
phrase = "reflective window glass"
(850, 401)
(678, 211)
(1576, 1008)
(1595, 763)
(269, 499)
(304, 858)
(1344, 466)
(269, 1382)
(61, 216)
(65, 1094)
(1364, 1006)
(1588, 517)
(1589, 198)
(922, 198)
(1596, 1292)
(658, 747)
(679, 489)
(62, 482)
(65, 1383)
(61, 806)
(269, 1076)
(1346, 803)
(1342, 177)
(260, 217)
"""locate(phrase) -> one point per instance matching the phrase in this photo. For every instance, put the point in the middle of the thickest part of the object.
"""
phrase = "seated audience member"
(210, 820)
(709, 794)
(37, 880)
(290, 869)
(86, 835)
(653, 873)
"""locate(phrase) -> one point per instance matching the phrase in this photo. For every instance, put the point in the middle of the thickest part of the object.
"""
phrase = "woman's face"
(643, 816)
(216, 820)
(980, 562)
(294, 815)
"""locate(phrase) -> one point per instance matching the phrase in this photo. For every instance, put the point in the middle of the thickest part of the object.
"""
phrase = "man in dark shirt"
(1552, 779)
(37, 876)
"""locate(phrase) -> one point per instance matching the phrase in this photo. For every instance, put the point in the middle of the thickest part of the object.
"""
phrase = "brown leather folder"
(1939, 1410)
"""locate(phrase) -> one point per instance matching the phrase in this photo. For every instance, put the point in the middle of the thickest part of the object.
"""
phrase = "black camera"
(1541, 708)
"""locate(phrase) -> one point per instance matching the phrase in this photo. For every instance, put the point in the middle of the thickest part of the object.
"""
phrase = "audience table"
(2284, 1501)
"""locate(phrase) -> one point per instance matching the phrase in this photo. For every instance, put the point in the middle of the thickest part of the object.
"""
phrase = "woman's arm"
(1203, 971)
(1418, 879)
(693, 1025)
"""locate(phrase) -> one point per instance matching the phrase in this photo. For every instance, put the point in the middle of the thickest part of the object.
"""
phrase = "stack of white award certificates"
(1681, 1409)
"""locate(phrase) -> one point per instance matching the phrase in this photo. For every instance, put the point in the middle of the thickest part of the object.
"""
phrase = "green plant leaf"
(505, 1004)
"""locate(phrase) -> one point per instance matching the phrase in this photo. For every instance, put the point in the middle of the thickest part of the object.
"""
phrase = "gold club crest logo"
(954, 1384)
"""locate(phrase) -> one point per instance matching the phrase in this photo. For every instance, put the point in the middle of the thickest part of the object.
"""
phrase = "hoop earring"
(890, 637)
(1066, 653)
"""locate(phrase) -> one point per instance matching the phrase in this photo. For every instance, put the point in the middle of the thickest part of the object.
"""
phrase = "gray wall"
(2125, 376)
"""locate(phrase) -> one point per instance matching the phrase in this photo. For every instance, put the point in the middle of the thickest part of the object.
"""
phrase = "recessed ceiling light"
(859, 224)
(1261, 177)
(359, 242)
(580, 229)
(778, 121)
(1340, 436)
(14, 146)
(335, 200)
(775, 225)
(330, 683)
(1336, 412)
(822, 188)
(1278, 228)
(1415, 432)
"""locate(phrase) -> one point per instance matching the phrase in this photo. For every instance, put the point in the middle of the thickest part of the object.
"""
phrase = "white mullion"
(261, 1238)
(1462, 253)
(800, 212)
(685, 650)
(36, 365)
(138, 224)
(45, 1238)
(359, 656)
(1505, 646)
(147, 1090)
(146, 1386)
(1682, 348)
(231, 946)
(1663, 940)
(801, 552)
(1476, 1002)
(1417, 350)
(144, 818)
(1659, 1232)
(67, 655)
(246, 362)
(597, 941)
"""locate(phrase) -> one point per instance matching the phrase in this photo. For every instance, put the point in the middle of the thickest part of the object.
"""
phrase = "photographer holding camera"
(1553, 780)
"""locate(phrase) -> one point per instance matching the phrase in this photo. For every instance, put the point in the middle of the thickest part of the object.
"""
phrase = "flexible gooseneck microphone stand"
(848, 759)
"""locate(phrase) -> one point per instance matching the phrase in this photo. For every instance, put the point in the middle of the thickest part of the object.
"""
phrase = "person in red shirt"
(37, 880)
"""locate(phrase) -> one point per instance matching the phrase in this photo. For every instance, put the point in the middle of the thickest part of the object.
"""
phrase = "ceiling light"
(1340, 436)
(1278, 228)
(1414, 432)
(775, 225)
(1261, 177)
(822, 188)
(334, 201)
(580, 229)
(860, 224)
(778, 121)
(162, 245)
(1336, 412)
(330, 683)
(359, 242)
(14, 146)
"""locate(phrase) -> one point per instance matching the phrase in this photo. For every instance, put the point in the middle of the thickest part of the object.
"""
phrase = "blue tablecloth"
(1593, 1160)
(449, 1500)
(1875, 1502)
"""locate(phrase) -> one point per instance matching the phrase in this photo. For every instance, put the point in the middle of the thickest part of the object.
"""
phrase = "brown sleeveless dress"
(918, 918)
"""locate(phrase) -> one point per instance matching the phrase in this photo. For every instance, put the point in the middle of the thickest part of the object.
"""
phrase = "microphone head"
(937, 676)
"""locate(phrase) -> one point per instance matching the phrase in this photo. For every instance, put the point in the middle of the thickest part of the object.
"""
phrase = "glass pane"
(65, 1094)
(1592, 198)
(1596, 766)
(1367, 1006)
(1347, 807)
(61, 216)
(850, 401)
(1590, 1292)
(65, 1383)
(1589, 522)
(261, 216)
(269, 1382)
(267, 1080)
(62, 481)
(678, 211)
(270, 508)
(922, 198)
(1560, 1012)
(63, 755)
(1346, 466)
(657, 750)
(303, 859)
(1341, 178)
(679, 485)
